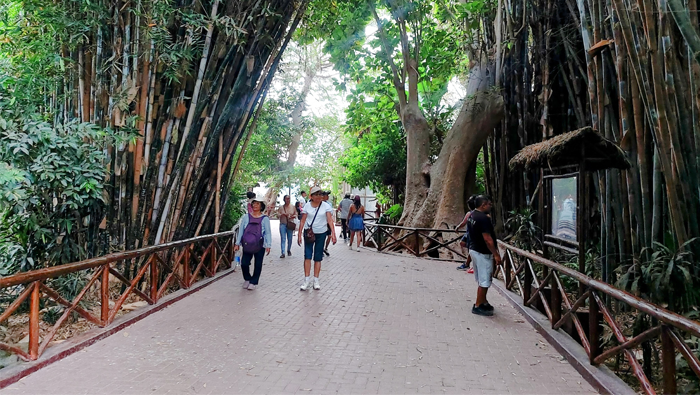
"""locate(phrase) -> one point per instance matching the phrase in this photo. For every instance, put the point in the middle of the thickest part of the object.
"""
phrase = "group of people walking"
(317, 230)
(316, 227)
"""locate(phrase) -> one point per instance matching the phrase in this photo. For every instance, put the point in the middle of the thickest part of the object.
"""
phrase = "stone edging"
(13, 374)
(600, 377)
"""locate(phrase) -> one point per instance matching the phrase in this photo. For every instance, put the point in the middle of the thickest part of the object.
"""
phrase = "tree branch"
(388, 52)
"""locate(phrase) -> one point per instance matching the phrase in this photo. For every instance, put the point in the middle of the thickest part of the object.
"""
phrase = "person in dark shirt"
(483, 251)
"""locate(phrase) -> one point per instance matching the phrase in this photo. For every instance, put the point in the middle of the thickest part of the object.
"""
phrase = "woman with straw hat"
(255, 238)
(315, 217)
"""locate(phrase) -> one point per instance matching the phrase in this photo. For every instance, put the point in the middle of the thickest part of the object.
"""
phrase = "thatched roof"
(565, 149)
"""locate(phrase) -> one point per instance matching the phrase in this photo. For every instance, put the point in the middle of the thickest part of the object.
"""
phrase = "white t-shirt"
(321, 222)
(302, 200)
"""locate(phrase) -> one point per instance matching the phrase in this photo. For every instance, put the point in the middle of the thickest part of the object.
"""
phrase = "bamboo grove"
(185, 79)
(627, 68)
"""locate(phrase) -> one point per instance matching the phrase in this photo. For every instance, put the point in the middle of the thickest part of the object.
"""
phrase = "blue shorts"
(315, 250)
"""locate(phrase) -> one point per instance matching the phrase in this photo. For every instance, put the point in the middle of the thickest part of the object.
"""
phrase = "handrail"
(657, 312)
(56, 271)
(410, 240)
(155, 277)
(420, 229)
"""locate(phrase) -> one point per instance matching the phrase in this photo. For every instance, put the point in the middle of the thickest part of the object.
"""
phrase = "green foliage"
(70, 285)
(664, 278)
(51, 180)
(263, 159)
(376, 158)
(236, 206)
(393, 214)
(688, 380)
(378, 154)
(523, 231)
(52, 314)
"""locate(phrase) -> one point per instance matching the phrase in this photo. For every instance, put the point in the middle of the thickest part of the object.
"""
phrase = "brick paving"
(380, 324)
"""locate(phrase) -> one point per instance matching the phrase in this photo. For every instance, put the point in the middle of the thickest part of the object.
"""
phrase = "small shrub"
(664, 277)
(52, 314)
(523, 231)
(393, 214)
(70, 285)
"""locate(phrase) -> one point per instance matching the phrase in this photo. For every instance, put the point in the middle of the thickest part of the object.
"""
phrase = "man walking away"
(302, 199)
(483, 251)
(344, 209)
(326, 196)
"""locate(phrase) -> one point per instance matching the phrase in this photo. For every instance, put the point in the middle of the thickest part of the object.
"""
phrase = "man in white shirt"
(344, 209)
(302, 198)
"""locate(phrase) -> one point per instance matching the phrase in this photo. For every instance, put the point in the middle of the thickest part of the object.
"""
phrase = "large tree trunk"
(482, 111)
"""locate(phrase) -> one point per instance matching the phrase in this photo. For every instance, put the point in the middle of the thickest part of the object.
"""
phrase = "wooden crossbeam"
(631, 359)
(68, 311)
(122, 298)
(634, 342)
(574, 317)
(123, 279)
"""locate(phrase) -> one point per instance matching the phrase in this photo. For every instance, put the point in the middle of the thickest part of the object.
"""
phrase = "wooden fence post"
(555, 299)
(593, 327)
(527, 282)
(213, 257)
(507, 267)
(154, 277)
(417, 233)
(186, 266)
(34, 322)
(104, 295)
(668, 361)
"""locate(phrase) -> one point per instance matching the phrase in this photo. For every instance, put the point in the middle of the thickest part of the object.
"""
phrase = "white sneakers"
(246, 284)
(350, 247)
(305, 286)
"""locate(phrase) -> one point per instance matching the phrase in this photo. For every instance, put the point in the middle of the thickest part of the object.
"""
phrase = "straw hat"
(258, 198)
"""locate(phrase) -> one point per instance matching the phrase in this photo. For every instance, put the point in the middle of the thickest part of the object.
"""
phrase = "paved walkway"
(380, 324)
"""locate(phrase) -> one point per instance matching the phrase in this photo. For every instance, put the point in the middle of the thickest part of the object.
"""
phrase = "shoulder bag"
(309, 235)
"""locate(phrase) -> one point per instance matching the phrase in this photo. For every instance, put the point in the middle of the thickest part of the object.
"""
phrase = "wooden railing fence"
(160, 269)
(543, 286)
(383, 237)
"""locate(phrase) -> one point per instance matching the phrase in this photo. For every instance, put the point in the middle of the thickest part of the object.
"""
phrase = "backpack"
(252, 239)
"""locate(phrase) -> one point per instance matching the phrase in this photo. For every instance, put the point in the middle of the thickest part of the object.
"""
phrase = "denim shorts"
(483, 268)
(315, 250)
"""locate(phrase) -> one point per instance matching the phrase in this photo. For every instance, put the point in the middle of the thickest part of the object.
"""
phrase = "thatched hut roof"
(565, 149)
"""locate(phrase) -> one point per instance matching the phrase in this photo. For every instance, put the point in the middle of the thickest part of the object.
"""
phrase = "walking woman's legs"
(359, 237)
(259, 256)
(283, 237)
(290, 233)
(352, 237)
(318, 253)
(308, 254)
(245, 265)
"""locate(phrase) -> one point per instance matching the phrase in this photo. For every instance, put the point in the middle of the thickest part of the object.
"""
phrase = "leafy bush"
(236, 206)
(393, 214)
(664, 278)
(70, 285)
(52, 314)
(523, 231)
(51, 184)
